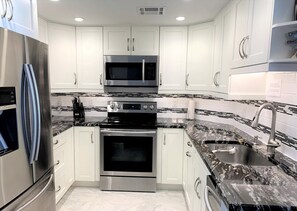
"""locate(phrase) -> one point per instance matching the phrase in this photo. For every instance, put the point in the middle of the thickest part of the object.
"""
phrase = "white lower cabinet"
(194, 176)
(169, 156)
(86, 153)
(63, 162)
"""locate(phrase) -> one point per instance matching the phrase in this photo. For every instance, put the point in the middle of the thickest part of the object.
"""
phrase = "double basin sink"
(235, 153)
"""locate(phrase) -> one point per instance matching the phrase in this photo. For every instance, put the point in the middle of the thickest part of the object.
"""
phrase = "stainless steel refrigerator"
(26, 155)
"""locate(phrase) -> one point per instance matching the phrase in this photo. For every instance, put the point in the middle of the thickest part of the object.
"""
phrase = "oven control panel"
(131, 107)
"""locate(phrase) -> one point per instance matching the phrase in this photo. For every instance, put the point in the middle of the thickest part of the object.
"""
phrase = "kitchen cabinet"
(173, 58)
(89, 58)
(194, 176)
(42, 31)
(126, 40)
(63, 162)
(200, 57)
(85, 154)
(252, 32)
(20, 16)
(169, 156)
(62, 56)
(223, 49)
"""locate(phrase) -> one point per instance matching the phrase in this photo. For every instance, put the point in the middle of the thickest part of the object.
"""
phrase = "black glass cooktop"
(129, 123)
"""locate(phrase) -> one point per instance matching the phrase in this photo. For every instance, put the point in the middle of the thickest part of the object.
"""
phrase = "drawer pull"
(59, 188)
(189, 144)
(188, 154)
(57, 141)
(57, 163)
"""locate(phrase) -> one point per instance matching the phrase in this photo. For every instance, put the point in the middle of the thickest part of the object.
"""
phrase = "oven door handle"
(126, 132)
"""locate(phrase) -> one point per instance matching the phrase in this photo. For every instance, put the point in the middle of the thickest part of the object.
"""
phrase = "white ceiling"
(119, 12)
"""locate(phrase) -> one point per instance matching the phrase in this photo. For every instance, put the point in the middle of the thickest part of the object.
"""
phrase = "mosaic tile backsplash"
(238, 113)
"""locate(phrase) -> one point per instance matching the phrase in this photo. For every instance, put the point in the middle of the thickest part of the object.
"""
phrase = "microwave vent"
(151, 10)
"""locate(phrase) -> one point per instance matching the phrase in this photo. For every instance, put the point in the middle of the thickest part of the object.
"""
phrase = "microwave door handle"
(37, 114)
(33, 127)
(143, 69)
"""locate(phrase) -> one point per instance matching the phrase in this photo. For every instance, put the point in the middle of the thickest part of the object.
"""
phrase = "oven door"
(129, 71)
(128, 152)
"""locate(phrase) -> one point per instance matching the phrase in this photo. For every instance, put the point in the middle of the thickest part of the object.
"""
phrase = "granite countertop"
(241, 187)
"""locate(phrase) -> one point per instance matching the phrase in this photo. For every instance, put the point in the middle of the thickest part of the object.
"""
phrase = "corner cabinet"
(200, 54)
(20, 16)
(169, 156)
(128, 40)
(86, 154)
(173, 58)
(194, 176)
(63, 162)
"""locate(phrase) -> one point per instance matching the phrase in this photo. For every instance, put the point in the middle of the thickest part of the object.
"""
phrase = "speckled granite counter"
(241, 187)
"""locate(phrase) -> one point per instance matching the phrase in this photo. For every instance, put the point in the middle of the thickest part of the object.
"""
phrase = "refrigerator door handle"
(31, 141)
(37, 195)
(37, 113)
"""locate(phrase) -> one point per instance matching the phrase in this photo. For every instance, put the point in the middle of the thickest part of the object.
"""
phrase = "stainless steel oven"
(131, 71)
(128, 159)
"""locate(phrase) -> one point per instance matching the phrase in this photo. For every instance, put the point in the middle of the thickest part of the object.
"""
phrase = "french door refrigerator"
(26, 156)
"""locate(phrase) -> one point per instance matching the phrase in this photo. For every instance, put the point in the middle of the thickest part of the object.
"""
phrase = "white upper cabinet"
(42, 31)
(62, 56)
(89, 57)
(145, 41)
(131, 40)
(20, 16)
(117, 40)
(252, 32)
(200, 57)
(173, 58)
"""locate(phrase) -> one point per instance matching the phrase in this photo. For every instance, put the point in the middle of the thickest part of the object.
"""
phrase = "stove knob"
(118, 106)
(145, 107)
(112, 106)
(152, 107)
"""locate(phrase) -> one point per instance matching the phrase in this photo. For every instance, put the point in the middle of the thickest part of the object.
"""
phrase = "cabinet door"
(257, 46)
(241, 31)
(173, 58)
(200, 57)
(24, 17)
(172, 158)
(42, 31)
(69, 158)
(89, 58)
(190, 182)
(145, 41)
(84, 154)
(117, 40)
(62, 56)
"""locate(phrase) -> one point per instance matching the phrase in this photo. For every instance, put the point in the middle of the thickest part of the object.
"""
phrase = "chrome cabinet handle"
(164, 139)
(4, 4)
(196, 185)
(187, 78)
(161, 81)
(189, 144)
(59, 188)
(75, 78)
(188, 154)
(57, 163)
(143, 69)
(11, 10)
(57, 141)
(240, 48)
(133, 42)
(215, 79)
(101, 79)
(128, 44)
(92, 140)
(243, 47)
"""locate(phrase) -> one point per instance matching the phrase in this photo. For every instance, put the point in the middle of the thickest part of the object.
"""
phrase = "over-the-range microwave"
(131, 71)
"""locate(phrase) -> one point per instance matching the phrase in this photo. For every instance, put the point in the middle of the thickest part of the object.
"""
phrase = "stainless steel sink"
(238, 154)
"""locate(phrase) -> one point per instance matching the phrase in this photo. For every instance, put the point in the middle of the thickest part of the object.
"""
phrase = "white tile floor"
(92, 199)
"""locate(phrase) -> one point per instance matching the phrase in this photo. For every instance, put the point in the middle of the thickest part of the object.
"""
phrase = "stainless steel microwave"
(131, 71)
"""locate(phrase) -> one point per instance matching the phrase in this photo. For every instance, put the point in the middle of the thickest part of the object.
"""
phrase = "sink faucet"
(272, 144)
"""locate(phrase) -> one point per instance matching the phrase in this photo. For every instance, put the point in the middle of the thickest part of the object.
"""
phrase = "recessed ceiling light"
(180, 18)
(79, 19)
(55, 0)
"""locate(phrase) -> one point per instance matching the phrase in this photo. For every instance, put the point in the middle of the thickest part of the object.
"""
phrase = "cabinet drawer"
(59, 140)
(60, 184)
(59, 157)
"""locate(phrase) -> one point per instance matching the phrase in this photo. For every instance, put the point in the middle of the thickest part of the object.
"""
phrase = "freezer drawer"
(41, 196)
